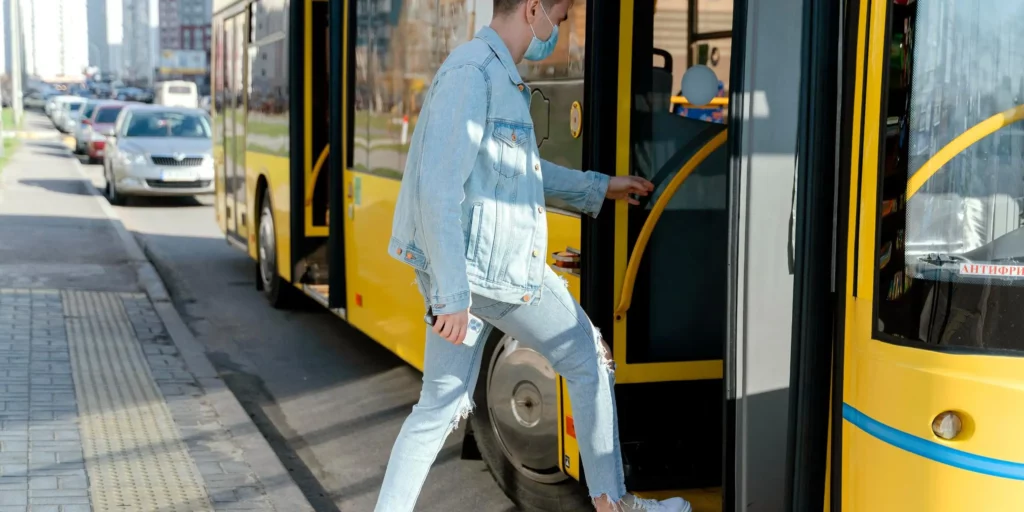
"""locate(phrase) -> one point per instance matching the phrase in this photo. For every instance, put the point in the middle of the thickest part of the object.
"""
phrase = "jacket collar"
(489, 36)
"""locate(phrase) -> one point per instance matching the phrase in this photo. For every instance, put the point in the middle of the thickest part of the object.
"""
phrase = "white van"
(177, 93)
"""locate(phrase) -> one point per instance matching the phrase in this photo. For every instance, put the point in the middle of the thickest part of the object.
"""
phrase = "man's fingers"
(446, 330)
(438, 325)
(632, 201)
(641, 186)
(461, 336)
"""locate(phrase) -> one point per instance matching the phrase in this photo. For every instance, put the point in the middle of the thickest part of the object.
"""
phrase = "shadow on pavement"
(77, 187)
(60, 252)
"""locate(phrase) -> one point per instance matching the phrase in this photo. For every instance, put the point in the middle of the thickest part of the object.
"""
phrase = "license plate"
(177, 175)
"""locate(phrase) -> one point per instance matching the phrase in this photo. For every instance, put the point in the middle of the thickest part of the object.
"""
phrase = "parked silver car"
(158, 151)
(63, 107)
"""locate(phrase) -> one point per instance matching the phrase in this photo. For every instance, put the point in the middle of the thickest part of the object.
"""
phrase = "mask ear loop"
(545, 11)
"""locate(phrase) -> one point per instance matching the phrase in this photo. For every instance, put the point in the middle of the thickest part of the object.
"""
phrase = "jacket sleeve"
(455, 122)
(583, 191)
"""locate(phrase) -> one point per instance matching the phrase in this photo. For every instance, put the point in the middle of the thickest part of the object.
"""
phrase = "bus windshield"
(950, 265)
(961, 77)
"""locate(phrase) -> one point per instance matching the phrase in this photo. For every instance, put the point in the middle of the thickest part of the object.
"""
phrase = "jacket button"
(526, 298)
(513, 136)
(398, 251)
(536, 167)
(536, 253)
(540, 209)
(521, 87)
(408, 256)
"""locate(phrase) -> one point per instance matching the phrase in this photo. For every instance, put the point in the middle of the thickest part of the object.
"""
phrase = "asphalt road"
(329, 399)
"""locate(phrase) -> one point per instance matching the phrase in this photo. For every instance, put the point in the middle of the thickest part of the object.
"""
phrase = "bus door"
(663, 264)
(234, 113)
(930, 371)
(700, 277)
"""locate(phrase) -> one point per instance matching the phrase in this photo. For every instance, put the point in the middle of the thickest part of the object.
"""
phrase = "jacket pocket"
(510, 143)
(474, 231)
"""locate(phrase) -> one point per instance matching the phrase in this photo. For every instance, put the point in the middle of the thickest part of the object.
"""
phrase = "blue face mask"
(540, 50)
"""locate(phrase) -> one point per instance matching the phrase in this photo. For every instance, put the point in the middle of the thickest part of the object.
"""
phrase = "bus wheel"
(277, 290)
(516, 428)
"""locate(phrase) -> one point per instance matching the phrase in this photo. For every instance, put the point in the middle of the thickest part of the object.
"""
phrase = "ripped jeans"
(557, 328)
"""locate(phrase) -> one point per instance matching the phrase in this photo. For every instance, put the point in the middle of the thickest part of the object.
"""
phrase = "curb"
(281, 490)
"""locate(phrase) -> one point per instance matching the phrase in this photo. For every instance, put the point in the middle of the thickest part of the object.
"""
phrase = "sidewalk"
(106, 400)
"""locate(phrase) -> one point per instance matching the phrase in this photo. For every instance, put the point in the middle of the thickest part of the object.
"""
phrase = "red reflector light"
(570, 427)
(359, 300)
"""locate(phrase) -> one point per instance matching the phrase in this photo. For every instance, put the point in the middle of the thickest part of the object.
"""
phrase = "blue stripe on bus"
(932, 450)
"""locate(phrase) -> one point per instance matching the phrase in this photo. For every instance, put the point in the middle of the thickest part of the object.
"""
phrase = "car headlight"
(130, 158)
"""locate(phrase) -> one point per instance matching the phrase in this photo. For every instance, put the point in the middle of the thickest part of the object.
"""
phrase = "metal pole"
(16, 60)
(3, 145)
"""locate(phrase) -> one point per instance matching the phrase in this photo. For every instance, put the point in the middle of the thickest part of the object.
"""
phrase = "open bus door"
(711, 291)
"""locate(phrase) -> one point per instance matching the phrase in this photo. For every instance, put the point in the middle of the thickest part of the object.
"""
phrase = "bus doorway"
(313, 263)
(693, 288)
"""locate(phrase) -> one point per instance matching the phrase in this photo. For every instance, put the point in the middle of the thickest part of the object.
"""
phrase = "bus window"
(556, 83)
(394, 67)
(566, 61)
(682, 278)
(714, 16)
(950, 268)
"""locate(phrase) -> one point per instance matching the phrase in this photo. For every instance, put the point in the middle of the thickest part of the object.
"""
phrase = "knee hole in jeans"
(604, 353)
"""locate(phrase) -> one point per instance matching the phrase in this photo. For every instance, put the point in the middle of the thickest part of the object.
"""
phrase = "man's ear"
(532, 10)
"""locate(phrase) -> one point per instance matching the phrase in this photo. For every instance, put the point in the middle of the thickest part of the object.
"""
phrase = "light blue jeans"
(557, 328)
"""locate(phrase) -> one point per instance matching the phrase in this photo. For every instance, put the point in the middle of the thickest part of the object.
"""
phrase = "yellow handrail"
(961, 143)
(633, 267)
(311, 186)
(715, 102)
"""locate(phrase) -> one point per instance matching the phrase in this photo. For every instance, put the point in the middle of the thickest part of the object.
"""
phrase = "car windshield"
(168, 124)
(107, 115)
(74, 107)
(179, 89)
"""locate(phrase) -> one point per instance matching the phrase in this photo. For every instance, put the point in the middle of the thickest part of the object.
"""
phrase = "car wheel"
(278, 292)
(516, 428)
(113, 196)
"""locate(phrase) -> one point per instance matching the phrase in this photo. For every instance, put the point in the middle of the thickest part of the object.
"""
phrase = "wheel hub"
(522, 397)
(266, 247)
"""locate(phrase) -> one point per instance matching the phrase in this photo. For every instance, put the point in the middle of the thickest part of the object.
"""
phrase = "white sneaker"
(630, 502)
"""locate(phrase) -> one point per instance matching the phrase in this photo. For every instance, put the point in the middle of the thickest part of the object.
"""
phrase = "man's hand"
(623, 187)
(452, 327)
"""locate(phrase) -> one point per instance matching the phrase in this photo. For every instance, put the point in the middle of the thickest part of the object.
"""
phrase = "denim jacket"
(470, 215)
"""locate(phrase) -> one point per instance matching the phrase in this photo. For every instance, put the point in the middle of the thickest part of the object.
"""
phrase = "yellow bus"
(817, 309)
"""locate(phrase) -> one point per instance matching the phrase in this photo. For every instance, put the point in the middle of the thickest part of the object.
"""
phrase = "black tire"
(113, 196)
(278, 292)
(528, 494)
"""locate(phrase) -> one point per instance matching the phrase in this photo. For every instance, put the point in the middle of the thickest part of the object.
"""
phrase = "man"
(470, 220)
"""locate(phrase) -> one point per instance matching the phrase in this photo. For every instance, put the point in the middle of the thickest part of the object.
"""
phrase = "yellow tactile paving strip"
(135, 457)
